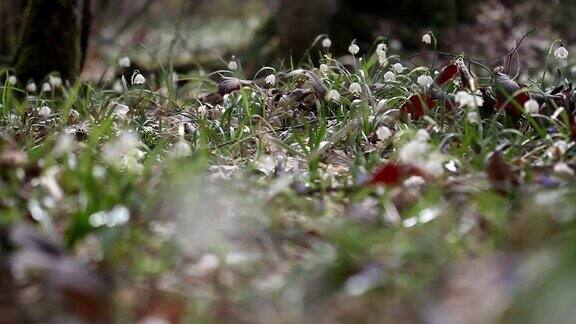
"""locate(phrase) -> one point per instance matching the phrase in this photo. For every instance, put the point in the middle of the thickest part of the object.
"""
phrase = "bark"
(10, 21)
(54, 38)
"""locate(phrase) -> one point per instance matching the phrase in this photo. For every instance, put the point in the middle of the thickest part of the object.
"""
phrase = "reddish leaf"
(447, 74)
(506, 88)
(501, 173)
(392, 174)
(417, 106)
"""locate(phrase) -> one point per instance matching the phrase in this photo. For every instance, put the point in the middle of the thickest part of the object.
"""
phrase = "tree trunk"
(299, 22)
(10, 21)
(53, 38)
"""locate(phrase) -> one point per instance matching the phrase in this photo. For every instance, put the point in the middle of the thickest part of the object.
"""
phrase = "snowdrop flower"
(12, 80)
(561, 53)
(124, 151)
(355, 103)
(232, 65)
(561, 146)
(383, 133)
(118, 86)
(46, 87)
(398, 67)
(324, 68)
(425, 80)
(413, 151)
(202, 110)
(333, 95)
(427, 39)
(389, 76)
(120, 109)
(381, 48)
(355, 88)
(55, 81)
(271, 79)
(31, 87)
(138, 78)
(564, 169)
(64, 145)
(326, 42)
(531, 106)
(353, 49)
(382, 58)
(422, 135)
(465, 99)
(44, 111)
(472, 117)
(381, 104)
(124, 62)
(181, 150)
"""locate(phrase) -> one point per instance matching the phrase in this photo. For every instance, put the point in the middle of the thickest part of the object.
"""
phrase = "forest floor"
(369, 188)
(373, 192)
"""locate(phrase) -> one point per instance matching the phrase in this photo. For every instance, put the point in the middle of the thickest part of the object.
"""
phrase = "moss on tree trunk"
(53, 38)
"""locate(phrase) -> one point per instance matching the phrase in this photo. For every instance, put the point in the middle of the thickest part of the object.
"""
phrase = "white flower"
(562, 168)
(64, 145)
(12, 80)
(472, 117)
(271, 79)
(120, 109)
(202, 110)
(425, 80)
(389, 76)
(138, 79)
(55, 81)
(381, 49)
(427, 39)
(355, 87)
(124, 151)
(383, 133)
(398, 67)
(46, 87)
(353, 49)
(124, 62)
(233, 66)
(382, 58)
(181, 150)
(381, 104)
(31, 87)
(324, 68)
(561, 146)
(561, 53)
(44, 111)
(118, 86)
(413, 151)
(333, 95)
(465, 99)
(326, 42)
(355, 103)
(531, 106)
(422, 135)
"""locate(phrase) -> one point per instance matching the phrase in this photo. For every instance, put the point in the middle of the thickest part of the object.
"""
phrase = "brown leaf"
(501, 173)
(417, 106)
(447, 74)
